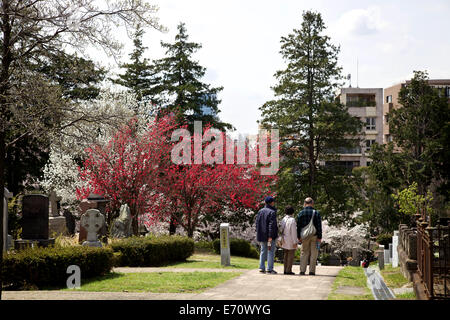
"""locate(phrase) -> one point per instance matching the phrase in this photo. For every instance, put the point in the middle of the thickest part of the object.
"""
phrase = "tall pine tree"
(140, 76)
(181, 86)
(311, 123)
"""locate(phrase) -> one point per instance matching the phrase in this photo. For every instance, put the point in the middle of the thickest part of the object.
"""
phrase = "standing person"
(289, 239)
(266, 234)
(310, 245)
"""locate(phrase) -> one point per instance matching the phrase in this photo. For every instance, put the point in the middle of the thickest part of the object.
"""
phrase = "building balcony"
(361, 103)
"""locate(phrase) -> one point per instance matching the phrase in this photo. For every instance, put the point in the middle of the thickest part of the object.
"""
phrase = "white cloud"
(361, 22)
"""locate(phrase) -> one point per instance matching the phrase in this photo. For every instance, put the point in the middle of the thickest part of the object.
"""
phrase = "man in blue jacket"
(266, 234)
(310, 246)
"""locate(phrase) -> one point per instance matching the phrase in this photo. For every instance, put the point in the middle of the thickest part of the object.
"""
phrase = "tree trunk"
(4, 76)
(172, 226)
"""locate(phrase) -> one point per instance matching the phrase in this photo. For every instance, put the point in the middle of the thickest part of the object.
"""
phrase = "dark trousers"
(288, 259)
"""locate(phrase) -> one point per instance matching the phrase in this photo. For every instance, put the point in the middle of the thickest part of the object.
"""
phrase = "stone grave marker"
(121, 227)
(386, 256)
(94, 201)
(395, 249)
(56, 222)
(70, 222)
(34, 221)
(92, 220)
(225, 244)
(380, 252)
(7, 239)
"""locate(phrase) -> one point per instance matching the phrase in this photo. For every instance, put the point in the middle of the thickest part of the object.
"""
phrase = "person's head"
(309, 202)
(289, 210)
(269, 200)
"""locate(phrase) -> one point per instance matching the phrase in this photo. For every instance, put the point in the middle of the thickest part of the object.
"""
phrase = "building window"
(386, 119)
(369, 143)
(370, 123)
(447, 92)
(389, 99)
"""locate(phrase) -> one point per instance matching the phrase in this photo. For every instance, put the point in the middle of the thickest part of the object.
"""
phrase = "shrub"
(152, 251)
(324, 258)
(238, 247)
(384, 239)
(48, 266)
(204, 245)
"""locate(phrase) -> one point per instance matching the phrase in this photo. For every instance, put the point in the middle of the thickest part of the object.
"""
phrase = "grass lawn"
(395, 279)
(159, 282)
(204, 260)
(350, 277)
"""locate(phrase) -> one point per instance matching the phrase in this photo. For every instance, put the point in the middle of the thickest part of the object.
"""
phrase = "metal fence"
(433, 258)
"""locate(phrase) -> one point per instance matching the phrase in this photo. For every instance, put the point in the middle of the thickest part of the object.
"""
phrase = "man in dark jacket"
(310, 246)
(266, 234)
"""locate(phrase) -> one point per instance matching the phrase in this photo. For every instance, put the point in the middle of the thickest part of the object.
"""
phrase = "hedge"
(152, 251)
(238, 247)
(37, 267)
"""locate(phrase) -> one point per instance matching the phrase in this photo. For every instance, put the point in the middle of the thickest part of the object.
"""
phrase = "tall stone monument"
(380, 253)
(92, 221)
(395, 249)
(225, 244)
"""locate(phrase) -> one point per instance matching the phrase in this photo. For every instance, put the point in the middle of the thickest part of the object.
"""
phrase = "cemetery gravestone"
(70, 222)
(394, 249)
(94, 201)
(56, 223)
(380, 252)
(7, 239)
(92, 221)
(225, 244)
(386, 256)
(122, 227)
(35, 221)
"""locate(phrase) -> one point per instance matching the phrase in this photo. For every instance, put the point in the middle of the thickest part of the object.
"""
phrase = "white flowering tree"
(343, 239)
(93, 122)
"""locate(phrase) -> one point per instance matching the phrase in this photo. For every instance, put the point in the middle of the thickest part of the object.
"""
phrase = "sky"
(240, 40)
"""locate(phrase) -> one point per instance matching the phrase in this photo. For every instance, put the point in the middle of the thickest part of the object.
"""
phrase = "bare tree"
(28, 27)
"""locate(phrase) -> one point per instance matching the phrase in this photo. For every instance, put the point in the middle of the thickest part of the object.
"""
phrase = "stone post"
(394, 250)
(386, 256)
(380, 252)
(225, 244)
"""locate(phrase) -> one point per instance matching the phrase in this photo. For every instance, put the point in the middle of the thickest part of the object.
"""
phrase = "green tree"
(419, 153)
(417, 129)
(181, 87)
(140, 75)
(312, 124)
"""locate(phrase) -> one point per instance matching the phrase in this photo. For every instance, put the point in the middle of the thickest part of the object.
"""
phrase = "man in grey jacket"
(310, 246)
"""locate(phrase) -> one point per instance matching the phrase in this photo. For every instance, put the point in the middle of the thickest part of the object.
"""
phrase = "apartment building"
(366, 104)
(390, 100)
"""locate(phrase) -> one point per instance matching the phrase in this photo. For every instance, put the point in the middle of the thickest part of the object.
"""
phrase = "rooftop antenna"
(357, 74)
